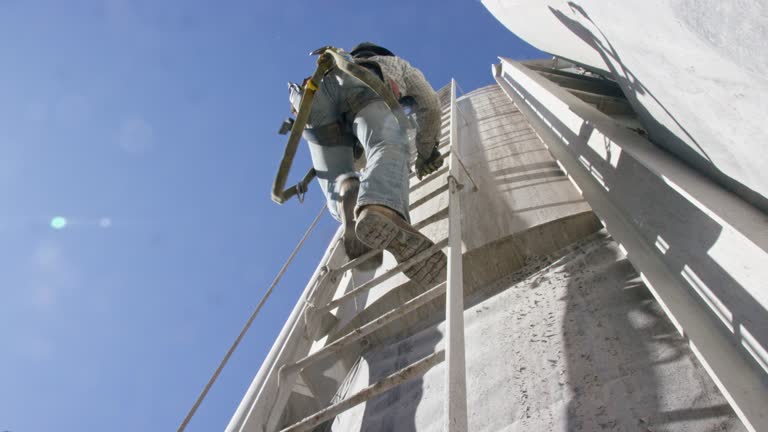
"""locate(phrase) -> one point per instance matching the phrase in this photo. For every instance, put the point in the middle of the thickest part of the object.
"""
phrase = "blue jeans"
(385, 178)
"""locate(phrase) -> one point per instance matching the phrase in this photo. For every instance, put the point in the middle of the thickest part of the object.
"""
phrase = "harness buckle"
(301, 189)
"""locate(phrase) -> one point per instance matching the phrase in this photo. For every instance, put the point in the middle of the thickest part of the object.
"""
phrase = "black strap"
(368, 49)
(331, 135)
(371, 66)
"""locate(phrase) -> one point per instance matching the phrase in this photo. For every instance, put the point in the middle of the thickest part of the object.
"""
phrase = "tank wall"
(694, 71)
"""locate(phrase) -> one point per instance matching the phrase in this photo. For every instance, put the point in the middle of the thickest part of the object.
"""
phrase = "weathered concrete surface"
(482, 269)
(520, 187)
(581, 346)
(524, 207)
(575, 345)
(696, 72)
(520, 184)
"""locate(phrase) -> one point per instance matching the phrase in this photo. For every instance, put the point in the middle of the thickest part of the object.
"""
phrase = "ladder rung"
(357, 261)
(416, 369)
(381, 278)
(365, 330)
(322, 326)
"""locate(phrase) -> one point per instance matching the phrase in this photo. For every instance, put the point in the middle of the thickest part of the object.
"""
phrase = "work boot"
(354, 248)
(381, 227)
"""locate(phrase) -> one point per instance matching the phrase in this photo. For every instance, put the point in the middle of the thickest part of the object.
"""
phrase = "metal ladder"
(320, 320)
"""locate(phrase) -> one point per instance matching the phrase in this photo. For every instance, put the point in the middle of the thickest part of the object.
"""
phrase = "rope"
(248, 324)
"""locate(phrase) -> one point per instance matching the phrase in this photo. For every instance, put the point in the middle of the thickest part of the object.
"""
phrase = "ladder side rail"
(262, 389)
(455, 376)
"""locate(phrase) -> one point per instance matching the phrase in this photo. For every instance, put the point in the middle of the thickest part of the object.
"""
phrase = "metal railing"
(455, 377)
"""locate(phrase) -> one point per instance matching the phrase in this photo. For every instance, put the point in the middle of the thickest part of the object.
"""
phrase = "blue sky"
(151, 127)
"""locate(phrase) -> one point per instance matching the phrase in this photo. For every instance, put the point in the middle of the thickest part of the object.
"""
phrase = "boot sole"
(380, 232)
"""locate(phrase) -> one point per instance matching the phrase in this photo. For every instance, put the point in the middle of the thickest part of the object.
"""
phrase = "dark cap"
(369, 49)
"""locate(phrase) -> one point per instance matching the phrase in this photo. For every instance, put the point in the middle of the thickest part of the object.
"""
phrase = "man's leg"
(385, 179)
(383, 198)
(340, 185)
(332, 150)
(333, 165)
(348, 193)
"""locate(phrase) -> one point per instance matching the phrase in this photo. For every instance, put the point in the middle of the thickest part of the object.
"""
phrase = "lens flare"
(59, 222)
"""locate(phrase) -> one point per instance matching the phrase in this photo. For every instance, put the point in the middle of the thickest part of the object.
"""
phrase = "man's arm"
(413, 84)
(428, 113)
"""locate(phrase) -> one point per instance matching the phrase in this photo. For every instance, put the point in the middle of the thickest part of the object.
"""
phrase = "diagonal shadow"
(658, 132)
(688, 243)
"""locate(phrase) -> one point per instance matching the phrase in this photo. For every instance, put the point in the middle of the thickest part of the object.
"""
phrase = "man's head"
(369, 49)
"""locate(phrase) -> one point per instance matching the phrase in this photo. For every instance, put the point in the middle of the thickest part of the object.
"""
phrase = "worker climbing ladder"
(321, 319)
(294, 361)
(262, 408)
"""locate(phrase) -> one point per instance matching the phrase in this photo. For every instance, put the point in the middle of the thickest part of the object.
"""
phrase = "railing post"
(456, 380)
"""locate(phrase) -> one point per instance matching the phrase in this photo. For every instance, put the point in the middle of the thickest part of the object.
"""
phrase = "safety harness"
(329, 58)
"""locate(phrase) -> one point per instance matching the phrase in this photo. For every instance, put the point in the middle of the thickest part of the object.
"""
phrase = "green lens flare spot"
(58, 222)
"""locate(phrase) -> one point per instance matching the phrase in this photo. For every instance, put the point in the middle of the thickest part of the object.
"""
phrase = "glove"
(429, 165)
(295, 92)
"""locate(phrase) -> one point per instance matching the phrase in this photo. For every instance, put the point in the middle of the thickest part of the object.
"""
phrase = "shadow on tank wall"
(659, 134)
(621, 352)
(687, 234)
